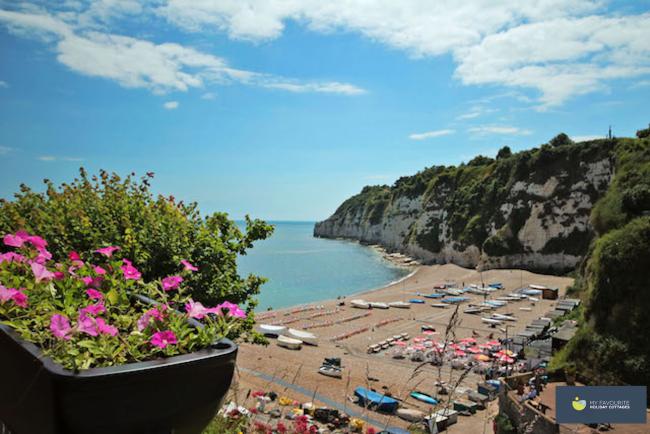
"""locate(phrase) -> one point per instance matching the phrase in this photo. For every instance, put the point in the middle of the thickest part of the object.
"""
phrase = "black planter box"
(176, 395)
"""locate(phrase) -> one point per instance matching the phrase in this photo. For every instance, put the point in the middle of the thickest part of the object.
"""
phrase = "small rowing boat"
(360, 304)
(416, 301)
(330, 371)
(290, 343)
(271, 330)
(491, 321)
(424, 398)
(378, 305)
(410, 414)
(305, 337)
(400, 305)
(440, 305)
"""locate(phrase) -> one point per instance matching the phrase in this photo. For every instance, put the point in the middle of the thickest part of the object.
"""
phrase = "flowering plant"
(91, 313)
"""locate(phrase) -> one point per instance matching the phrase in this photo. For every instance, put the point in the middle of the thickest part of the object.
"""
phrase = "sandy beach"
(275, 368)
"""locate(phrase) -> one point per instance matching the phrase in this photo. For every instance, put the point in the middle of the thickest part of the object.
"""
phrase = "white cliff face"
(554, 211)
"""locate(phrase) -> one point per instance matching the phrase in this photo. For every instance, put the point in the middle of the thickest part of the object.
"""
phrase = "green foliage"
(156, 232)
(84, 314)
(642, 134)
(504, 425)
(637, 199)
(504, 152)
(560, 140)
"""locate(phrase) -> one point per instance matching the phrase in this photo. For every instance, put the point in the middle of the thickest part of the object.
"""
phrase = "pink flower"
(94, 282)
(130, 272)
(87, 280)
(88, 325)
(233, 310)
(99, 270)
(156, 313)
(58, 275)
(164, 338)
(6, 294)
(195, 309)
(105, 328)
(92, 309)
(60, 326)
(11, 257)
(107, 251)
(37, 242)
(20, 298)
(93, 294)
(43, 256)
(171, 282)
(41, 273)
(74, 256)
(188, 266)
(16, 240)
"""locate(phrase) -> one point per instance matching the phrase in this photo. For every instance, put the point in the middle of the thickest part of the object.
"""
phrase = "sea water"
(303, 269)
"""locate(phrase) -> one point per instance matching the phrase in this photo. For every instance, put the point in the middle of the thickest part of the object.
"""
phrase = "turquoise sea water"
(303, 269)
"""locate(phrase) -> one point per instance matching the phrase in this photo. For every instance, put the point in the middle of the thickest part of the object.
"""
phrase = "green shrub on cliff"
(156, 232)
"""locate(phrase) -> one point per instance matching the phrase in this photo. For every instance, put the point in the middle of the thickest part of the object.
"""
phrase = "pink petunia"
(171, 282)
(233, 310)
(99, 270)
(195, 309)
(129, 271)
(163, 339)
(93, 294)
(58, 275)
(41, 273)
(60, 326)
(104, 328)
(20, 298)
(43, 256)
(187, 266)
(6, 294)
(93, 282)
(74, 256)
(92, 309)
(16, 240)
(11, 257)
(107, 251)
(37, 242)
(157, 313)
(88, 325)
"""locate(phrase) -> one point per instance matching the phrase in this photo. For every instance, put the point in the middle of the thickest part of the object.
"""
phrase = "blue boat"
(434, 295)
(496, 285)
(416, 300)
(454, 300)
(424, 398)
(375, 401)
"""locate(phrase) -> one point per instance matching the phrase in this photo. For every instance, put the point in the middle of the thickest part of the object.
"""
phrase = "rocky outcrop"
(528, 210)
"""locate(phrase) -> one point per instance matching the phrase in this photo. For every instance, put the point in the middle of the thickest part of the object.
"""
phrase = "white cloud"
(209, 95)
(475, 112)
(560, 48)
(49, 158)
(171, 105)
(498, 129)
(4, 150)
(586, 138)
(431, 134)
(133, 62)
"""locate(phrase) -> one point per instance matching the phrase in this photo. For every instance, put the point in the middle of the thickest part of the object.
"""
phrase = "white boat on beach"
(305, 337)
(400, 305)
(526, 309)
(410, 414)
(440, 305)
(360, 304)
(473, 310)
(537, 287)
(491, 321)
(330, 371)
(378, 305)
(503, 317)
(272, 330)
(290, 343)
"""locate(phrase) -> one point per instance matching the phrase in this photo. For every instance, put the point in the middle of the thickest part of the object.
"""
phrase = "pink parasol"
(429, 332)
(474, 350)
(459, 353)
(470, 340)
(401, 343)
(493, 343)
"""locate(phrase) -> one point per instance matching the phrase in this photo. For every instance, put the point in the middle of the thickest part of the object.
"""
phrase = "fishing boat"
(540, 287)
(526, 309)
(410, 414)
(424, 397)
(375, 401)
(360, 304)
(400, 305)
(487, 306)
(497, 303)
(271, 330)
(330, 371)
(453, 292)
(497, 285)
(290, 343)
(397, 337)
(434, 295)
(454, 300)
(306, 337)
(491, 321)
(440, 305)
(378, 305)
(416, 301)
(532, 291)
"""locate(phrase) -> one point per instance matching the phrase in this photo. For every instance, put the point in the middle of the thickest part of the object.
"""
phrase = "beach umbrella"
(418, 339)
(493, 343)
(429, 332)
(470, 340)
(401, 343)
(418, 347)
(482, 357)
(459, 353)
(474, 350)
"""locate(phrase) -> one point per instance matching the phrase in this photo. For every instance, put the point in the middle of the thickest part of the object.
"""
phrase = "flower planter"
(177, 395)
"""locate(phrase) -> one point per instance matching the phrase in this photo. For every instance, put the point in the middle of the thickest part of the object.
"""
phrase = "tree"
(156, 232)
(504, 152)
(641, 134)
(560, 140)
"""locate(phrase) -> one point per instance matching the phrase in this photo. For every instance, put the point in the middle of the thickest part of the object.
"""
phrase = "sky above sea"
(282, 109)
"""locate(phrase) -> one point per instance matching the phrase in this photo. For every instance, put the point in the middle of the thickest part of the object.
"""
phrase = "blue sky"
(282, 109)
